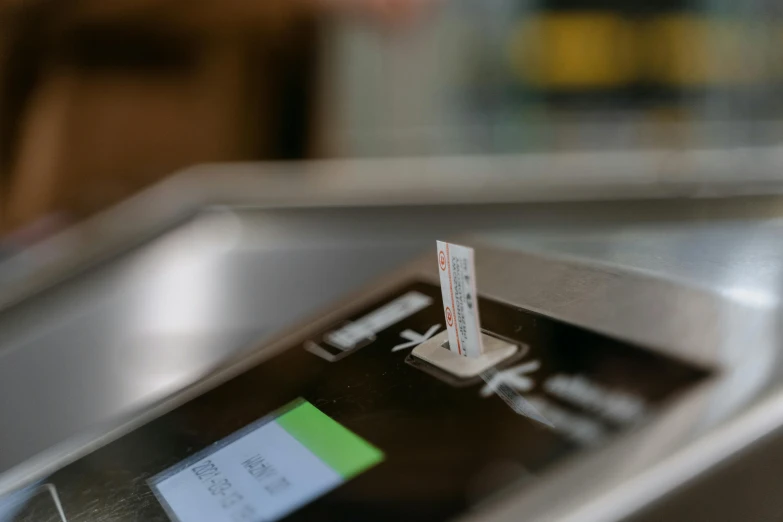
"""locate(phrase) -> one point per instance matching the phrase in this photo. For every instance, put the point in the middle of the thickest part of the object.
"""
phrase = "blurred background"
(98, 100)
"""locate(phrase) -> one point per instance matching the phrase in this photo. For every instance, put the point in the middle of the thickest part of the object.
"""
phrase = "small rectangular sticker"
(266, 470)
(350, 335)
(460, 302)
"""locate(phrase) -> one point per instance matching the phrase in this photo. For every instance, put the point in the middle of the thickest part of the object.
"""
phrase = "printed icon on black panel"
(356, 334)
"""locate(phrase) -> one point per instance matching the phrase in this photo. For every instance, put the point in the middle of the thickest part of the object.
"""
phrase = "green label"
(342, 450)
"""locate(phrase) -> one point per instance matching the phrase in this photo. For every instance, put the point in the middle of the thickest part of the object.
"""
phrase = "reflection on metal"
(14, 505)
(56, 498)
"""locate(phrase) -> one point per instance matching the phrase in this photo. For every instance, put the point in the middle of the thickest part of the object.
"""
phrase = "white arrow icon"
(507, 382)
(512, 377)
(415, 339)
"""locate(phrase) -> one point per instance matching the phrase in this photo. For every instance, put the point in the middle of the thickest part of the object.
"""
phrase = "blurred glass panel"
(515, 75)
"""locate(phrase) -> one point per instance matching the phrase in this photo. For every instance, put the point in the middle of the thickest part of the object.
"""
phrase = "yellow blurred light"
(592, 49)
(574, 50)
(690, 50)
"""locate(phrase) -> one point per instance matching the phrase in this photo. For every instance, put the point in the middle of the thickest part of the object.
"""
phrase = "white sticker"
(460, 302)
(232, 491)
(266, 470)
(350, 335)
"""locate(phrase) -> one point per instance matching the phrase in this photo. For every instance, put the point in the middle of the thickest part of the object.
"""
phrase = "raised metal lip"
(652, 174)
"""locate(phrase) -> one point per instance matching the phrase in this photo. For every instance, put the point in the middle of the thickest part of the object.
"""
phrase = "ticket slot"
(435, 357)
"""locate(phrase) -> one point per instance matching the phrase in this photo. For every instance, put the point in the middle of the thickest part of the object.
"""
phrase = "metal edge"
(520, 178)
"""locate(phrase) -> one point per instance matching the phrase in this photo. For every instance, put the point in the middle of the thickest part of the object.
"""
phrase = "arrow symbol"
(512, 377)
(507, 383)
(415, 339)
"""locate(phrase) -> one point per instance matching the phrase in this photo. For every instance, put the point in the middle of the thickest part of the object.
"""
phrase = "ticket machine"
(247, 363)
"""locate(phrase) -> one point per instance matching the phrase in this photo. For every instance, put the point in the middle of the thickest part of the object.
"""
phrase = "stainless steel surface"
(576, 176)
(148, 324)
(701, 279)
(739, 338)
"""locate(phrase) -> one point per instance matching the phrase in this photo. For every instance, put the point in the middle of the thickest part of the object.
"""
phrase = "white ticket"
(460, 302)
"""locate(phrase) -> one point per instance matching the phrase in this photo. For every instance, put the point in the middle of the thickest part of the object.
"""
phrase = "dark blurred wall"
(100, 99)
